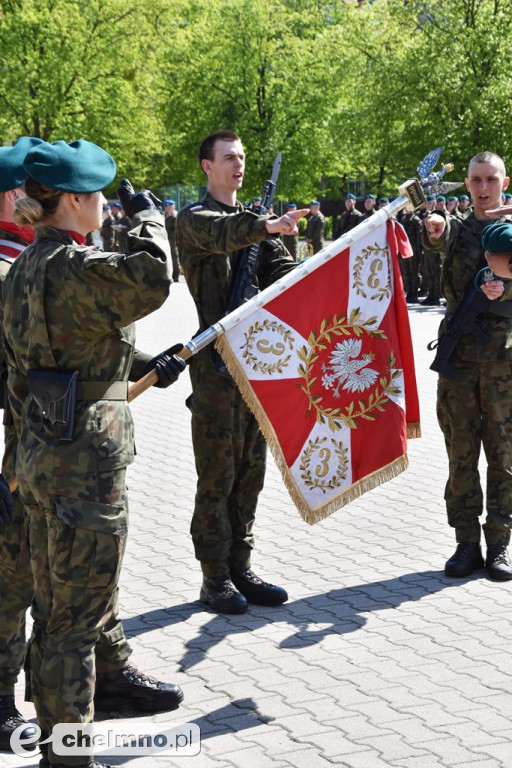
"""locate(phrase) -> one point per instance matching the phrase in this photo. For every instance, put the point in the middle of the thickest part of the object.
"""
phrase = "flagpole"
(301, 271)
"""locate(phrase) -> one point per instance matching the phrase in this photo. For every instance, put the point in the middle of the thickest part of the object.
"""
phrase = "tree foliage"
(344, 91)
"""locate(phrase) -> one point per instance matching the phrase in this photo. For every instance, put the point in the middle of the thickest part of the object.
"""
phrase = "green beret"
(463, 197)
(12, 173)
(497, 238)
(350, 196)
(430, 197)
(508, 196)
(79, 167)
(454, 197)
(441, 198)
(370, 197)
(383, 200)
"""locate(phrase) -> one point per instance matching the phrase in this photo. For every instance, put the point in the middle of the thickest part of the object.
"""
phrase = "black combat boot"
(10, 719)
(466, 559)
(256, 590)
(140, 692)
(221, 594)
(498, 562)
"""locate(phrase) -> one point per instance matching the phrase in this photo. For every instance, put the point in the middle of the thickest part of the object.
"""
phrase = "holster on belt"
(55, 393)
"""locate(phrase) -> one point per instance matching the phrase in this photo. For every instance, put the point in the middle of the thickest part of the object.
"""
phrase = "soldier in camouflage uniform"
(475, 408)
(350, 217)
(75, 315)
(108, 235)
(315, 227)
(228, 446)
(410, 267)
(121, 226)
(15, 575)
(291, 242)
(16, 582)
(170, 226)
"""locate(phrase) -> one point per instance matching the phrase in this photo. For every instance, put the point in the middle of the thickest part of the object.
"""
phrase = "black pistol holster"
(55, 393)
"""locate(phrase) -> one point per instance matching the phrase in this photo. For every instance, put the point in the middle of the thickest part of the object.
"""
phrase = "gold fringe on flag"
(308, 514)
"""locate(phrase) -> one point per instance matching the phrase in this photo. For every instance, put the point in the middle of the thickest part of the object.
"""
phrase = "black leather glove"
(133, 202)
(168, 366)
(6, 503)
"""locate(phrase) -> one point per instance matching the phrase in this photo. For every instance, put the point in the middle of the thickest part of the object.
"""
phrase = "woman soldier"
(68, 311)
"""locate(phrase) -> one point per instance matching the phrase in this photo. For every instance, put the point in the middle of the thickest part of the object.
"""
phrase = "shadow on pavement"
(338, 611)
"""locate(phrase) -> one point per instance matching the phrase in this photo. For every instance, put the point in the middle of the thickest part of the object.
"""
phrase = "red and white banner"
(327, 368)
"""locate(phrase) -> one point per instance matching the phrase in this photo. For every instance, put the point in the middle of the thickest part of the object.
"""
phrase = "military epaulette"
(196, 207)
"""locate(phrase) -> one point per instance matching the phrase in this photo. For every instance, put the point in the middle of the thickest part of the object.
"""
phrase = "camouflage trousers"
(77, 546)
(475, 410)
(230, 456)
(432, 274)
(16, 589)
(410, 271)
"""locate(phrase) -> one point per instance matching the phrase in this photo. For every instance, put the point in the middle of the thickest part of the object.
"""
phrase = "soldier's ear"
(206, 166)
(506, 182)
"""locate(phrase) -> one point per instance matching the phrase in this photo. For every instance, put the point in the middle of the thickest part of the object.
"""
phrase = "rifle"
(242, 289)
(466, 319)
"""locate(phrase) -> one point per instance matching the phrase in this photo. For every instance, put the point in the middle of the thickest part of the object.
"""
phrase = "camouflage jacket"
(462, 257)
(71, 307)
(211, 237)
(108, 234)
(315, 230)
(348, 220)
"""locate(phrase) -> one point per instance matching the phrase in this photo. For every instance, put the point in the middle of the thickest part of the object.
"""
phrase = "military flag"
(326, 365)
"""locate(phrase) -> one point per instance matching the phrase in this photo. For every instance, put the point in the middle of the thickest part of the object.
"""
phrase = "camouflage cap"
(79, 167)
(497, 238)
(12, 172)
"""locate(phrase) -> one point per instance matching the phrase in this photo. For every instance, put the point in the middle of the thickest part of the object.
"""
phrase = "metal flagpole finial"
(429, 180)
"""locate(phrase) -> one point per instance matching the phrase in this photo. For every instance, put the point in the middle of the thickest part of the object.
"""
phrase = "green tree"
(84, 68)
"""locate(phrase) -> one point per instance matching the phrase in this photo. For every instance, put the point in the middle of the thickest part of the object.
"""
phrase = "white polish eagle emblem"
(346, 371)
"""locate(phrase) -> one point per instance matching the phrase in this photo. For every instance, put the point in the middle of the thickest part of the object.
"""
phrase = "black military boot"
(10, 719)
(466, 559)
(256, 590)
(221, 594)
(498, 562)
(140, 692)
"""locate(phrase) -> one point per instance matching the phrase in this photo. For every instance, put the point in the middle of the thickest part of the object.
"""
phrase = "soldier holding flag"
(228, 445)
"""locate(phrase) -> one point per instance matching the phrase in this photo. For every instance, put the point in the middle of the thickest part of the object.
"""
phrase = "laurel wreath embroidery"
(250, 340)
(335, 418)
(324, 484)
(359, 263)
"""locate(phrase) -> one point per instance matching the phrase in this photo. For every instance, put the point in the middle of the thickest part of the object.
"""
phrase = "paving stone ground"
(377, 660)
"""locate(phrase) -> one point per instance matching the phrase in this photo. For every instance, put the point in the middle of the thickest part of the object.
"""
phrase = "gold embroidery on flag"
(335, 418)
(318, 452)
(267, 346)
(376, 288)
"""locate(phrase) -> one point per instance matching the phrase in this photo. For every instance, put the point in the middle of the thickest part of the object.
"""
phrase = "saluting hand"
(287, 224)
(495, 213)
